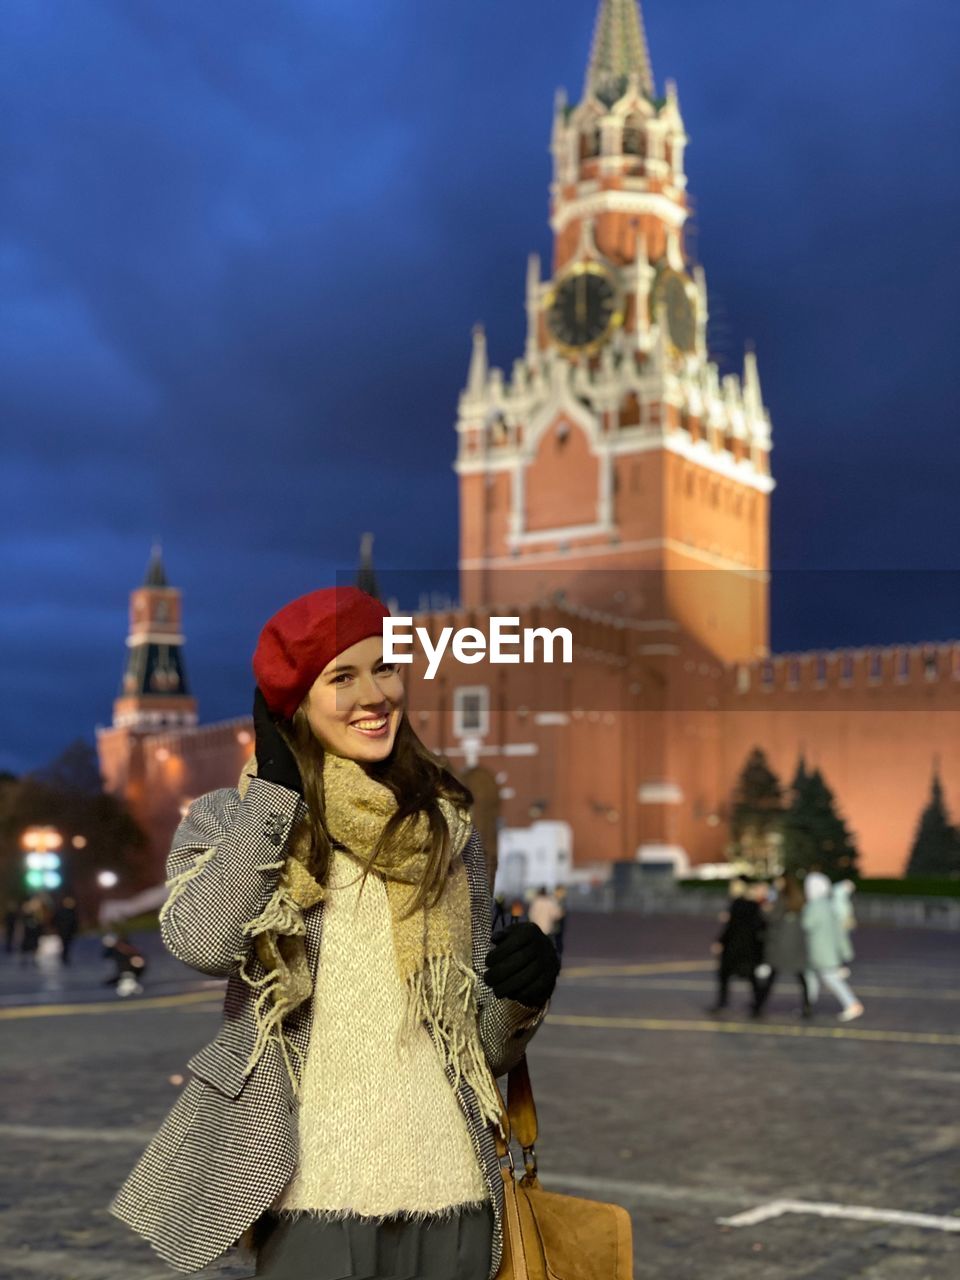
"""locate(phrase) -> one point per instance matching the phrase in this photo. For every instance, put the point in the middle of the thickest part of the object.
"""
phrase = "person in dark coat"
(740, 944)
(131, 964)
(785, 947)
(31, 922)
(66, 924)
(11, 918)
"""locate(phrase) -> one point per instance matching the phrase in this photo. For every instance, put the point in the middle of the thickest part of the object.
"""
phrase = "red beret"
(298, 642)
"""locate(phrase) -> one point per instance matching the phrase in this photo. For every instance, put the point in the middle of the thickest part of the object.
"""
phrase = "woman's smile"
(355, 705)
(375, 728)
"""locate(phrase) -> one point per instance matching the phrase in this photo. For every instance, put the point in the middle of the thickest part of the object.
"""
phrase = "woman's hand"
(275, 762)
(522, 965)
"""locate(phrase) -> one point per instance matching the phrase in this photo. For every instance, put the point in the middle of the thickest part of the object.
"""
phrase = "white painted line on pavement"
(55, 1133)
(944, 1077)
(859, 1213)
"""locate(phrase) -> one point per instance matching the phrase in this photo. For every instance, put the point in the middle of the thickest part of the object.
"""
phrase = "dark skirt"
(306, 1247)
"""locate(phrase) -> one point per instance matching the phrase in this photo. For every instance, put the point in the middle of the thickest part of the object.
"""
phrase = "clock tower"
(614, 463)
(153, 693)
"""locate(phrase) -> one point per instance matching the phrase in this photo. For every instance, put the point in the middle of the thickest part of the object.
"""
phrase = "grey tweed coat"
(229, 1144)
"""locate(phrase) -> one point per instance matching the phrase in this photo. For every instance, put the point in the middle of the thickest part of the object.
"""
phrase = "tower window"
(590, 144)
(471, 711)
(634, 138)
(876, 666)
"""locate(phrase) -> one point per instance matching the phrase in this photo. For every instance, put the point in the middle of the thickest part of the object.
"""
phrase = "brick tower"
(153, 692)
(615, 464)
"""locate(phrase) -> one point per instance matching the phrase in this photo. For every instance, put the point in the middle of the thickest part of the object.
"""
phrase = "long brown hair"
(418, 781)
(792, 893)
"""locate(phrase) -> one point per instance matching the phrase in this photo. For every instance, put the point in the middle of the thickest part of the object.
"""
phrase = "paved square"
(694, 1123)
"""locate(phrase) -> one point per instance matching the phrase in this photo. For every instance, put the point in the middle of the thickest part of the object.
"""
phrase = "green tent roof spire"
(619, 51)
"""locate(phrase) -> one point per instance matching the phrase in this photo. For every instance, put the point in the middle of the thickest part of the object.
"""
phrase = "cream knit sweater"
(380, 1132)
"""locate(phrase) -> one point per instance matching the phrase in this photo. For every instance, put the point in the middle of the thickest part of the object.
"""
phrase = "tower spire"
(366, 575)
(156, 575)
(619, 51)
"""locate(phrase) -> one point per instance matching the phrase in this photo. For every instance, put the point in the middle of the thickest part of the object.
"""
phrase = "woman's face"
(355, 704)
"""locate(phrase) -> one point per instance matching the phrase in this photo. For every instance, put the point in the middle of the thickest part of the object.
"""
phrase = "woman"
(785, 948)
(345, 1108)
(740, 944)
(843, 891)
(826, 949)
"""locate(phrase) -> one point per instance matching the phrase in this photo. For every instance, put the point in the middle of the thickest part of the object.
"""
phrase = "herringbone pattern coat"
(229, 1144)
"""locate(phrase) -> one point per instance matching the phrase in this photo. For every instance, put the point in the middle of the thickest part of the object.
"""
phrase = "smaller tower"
(153, 691)
(366, 574)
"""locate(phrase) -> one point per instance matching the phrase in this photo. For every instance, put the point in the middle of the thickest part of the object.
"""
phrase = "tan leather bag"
(548, 1236)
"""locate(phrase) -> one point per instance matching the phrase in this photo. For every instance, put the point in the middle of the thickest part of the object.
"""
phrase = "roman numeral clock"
(583, 308)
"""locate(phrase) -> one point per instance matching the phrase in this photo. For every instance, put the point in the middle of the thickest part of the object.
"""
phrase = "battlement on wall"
(196, 739)
(891, 666)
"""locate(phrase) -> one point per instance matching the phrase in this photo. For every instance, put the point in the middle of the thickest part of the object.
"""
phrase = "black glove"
(275, 762)
(522, 965)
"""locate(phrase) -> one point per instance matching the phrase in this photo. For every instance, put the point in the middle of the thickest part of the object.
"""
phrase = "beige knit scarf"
(432, 947)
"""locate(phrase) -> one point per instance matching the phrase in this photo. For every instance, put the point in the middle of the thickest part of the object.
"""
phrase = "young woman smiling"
(342, 1119)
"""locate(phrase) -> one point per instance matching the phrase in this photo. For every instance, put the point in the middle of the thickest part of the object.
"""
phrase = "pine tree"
(813, 830)
(936, 846)
(756, 810)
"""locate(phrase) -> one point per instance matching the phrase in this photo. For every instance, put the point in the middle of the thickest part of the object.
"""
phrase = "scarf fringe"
(281, 915)
(269, 1010)
(459, 1044)
(179, 882)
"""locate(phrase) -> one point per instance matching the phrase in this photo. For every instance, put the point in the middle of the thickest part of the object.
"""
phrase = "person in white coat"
(825, 945)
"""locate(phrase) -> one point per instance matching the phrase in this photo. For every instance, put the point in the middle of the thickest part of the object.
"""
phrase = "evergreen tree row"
(798, 828)
(801, 826)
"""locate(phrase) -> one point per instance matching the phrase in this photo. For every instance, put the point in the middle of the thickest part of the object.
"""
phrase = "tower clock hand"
(581, 299)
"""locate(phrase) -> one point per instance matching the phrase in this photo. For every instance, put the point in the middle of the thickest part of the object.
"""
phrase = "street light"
(42, 857)
(107, 879)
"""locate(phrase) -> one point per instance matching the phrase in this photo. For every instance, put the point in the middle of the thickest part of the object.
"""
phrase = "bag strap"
(520, 1104)
(519, 1119)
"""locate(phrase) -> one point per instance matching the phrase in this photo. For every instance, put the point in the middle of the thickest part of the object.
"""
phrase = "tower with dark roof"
(153, 692)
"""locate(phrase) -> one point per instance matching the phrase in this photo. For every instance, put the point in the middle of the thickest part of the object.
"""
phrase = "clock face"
(671, 290)
(582, 308)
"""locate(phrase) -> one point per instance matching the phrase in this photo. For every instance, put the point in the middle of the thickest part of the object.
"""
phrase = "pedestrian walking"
(545, 912)
(66, 924)
(345, 1109)
(560, 928)
(500, 914)
(740, 945)
(785, 947)
(32, 921)
(518, 910)
(11, 918)
(841, 896)
(131, 964)
(825, 946)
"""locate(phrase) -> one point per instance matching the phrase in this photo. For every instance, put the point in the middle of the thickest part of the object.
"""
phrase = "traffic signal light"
(43, 871)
